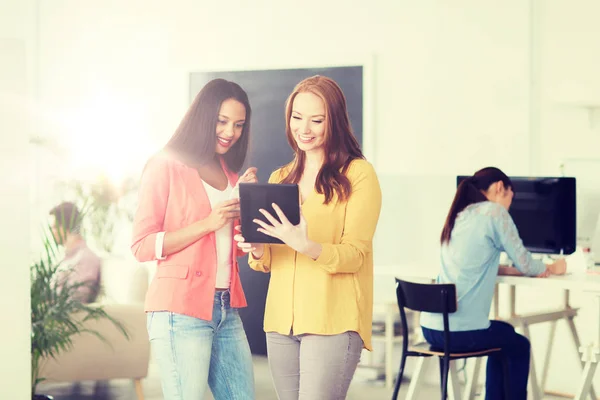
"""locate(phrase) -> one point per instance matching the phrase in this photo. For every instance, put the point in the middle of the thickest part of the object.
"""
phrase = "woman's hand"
(544, 274)
(223, 213)
(558, 267)
(249, 176)
(295, 236)
(257, 249)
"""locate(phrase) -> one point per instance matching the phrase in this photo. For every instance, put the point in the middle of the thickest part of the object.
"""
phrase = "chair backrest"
(434, 298)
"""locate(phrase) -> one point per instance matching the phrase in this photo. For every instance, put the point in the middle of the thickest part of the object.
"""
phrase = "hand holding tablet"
(257, 249)
(262, 222)
(295, 236)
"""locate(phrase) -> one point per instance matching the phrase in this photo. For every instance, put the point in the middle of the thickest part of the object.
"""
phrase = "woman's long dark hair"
(470, 191)
(341, 146)
(195, 139)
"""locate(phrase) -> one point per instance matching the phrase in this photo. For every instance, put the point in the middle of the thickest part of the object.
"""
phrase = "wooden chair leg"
(441, 362)
(399, 379)
(445, 368)
(139, 391)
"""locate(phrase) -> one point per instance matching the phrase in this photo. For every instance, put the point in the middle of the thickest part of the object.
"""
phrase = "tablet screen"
(254, 196)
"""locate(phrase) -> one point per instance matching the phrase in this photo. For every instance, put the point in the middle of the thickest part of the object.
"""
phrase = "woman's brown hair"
(470, 191)
(195, 139)
(341, 146)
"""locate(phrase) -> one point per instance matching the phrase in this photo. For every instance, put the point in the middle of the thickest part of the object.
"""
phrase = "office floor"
(361, 388)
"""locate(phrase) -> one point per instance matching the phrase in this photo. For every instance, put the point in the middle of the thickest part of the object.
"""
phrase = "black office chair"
(434, 298)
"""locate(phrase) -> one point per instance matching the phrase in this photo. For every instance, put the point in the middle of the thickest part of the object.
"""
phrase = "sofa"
(124, 285)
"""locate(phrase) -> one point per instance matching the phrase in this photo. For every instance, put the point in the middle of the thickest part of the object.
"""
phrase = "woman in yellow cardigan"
(319, 307)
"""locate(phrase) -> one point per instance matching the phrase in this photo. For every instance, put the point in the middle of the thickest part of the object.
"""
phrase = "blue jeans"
(193, 354)
(515, 348)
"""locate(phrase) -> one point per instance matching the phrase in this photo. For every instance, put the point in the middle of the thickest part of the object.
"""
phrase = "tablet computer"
(254, 196)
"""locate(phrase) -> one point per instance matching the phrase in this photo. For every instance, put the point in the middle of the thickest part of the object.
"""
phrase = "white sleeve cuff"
(158, 247)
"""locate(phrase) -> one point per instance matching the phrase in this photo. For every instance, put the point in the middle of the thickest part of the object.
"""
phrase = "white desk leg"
(453, 382)
(547, 357)
(577, 343)
(590, 355)
(588, 375)
(496, 302)
(389, 347)
(418, 376)
(513, 300)
(533, 382)
(471, 387)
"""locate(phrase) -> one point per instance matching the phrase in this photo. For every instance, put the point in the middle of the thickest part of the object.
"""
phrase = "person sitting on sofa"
(80, 264)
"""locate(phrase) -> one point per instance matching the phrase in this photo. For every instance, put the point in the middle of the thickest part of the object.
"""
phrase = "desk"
(590, 353)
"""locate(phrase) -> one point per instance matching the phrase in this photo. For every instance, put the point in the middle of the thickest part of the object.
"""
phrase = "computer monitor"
(544, 210)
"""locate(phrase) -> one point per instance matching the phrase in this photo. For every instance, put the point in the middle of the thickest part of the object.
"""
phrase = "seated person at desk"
(80, 266)
(477, 229)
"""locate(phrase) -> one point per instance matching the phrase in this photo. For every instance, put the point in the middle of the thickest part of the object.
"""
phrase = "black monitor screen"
(544, 210)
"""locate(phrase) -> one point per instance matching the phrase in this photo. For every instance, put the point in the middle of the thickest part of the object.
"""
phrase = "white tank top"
(223, 237)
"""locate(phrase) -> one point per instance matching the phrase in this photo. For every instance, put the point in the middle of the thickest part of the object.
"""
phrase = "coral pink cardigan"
(171, 196)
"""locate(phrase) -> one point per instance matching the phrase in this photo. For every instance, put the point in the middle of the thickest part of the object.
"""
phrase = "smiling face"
(307, 122)
(230, 122)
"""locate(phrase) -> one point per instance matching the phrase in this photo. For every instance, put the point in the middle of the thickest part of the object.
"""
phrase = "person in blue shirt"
(478, 229)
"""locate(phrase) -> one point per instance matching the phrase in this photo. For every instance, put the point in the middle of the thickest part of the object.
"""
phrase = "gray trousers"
(313, 367)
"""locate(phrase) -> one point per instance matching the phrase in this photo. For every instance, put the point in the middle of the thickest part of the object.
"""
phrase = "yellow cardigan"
(334, 293)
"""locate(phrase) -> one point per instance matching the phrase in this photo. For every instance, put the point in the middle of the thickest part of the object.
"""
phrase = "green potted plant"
(57, 315)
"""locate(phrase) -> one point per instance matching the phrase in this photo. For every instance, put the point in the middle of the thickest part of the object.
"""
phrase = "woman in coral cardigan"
(185, 221)
(320, 302)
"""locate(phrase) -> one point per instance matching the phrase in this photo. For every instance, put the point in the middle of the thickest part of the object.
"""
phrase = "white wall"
(433, 63)
(568, 54)
(17, 58)
(570, 58)
(452, 82)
